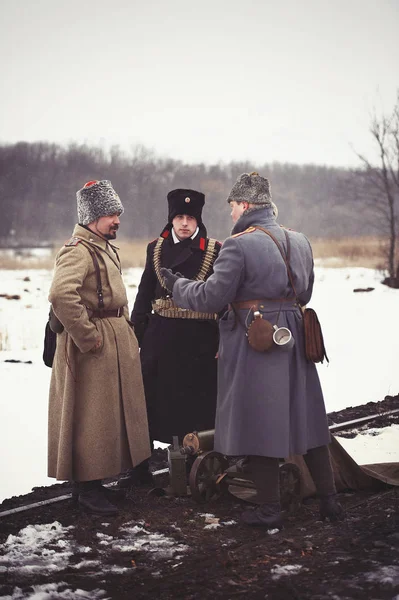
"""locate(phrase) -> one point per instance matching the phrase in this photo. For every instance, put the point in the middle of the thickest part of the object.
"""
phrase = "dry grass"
(132, 254)
(19, 262)
(343, 252)
(350, 252)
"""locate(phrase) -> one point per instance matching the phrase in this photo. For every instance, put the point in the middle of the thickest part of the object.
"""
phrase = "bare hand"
(98, 344)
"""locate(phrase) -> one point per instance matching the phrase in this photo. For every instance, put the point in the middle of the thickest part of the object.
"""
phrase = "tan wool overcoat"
(97, 414)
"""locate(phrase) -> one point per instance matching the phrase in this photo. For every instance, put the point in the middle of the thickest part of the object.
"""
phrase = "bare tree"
(380, 184)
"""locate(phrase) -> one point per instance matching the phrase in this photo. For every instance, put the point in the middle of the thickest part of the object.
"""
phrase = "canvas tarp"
(348, 475)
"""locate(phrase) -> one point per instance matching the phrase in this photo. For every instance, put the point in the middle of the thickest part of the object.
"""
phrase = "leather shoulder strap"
(93, 255)
(285, 259)
(287, 239)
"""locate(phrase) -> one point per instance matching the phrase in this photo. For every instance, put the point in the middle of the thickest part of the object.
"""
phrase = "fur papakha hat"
(185, 202)
(97, 199)
(252, 188)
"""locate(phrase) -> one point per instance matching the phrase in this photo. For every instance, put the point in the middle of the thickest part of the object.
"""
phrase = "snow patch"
(212, 526)
(50, 591)
(85, 564)
(231, 522)
(361, 370)
(139, 539)
(284, 570)
(105, 539)
(373, 445)
(388, 575)
(38, 548)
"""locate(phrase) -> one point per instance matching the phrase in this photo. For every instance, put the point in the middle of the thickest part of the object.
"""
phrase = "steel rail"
(361, 421)
(333, 428)
(12, 511)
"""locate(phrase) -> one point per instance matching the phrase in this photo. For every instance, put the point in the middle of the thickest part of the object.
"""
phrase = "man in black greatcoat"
(178, 346)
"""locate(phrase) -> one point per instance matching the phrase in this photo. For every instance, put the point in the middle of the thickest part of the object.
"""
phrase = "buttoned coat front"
(97, 415)
(269, 404)
(177, 355)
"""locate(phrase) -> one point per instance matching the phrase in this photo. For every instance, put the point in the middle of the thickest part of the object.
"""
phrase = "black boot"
(113, 494)
(93, 498)
(140, 474)
(242, 468)
(266, 515)
(330, 508)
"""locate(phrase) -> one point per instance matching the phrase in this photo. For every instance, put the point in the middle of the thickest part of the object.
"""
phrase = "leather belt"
(106, 314)
(257, 304)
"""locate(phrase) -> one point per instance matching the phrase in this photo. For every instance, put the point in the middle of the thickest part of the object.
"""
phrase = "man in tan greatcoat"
(97, 414)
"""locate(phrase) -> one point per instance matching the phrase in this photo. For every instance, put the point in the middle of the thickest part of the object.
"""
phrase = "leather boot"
(113, 494)
(93, 499)
(140, 474)
(242, 468)
(330, 508)
(266, 515)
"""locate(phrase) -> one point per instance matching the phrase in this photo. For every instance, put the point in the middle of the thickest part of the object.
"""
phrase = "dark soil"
(354, 559)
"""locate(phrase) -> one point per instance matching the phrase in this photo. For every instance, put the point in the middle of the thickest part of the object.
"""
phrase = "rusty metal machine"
(211, 475)
(177, 469)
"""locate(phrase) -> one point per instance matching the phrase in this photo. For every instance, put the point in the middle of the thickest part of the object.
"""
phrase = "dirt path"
(163, 547)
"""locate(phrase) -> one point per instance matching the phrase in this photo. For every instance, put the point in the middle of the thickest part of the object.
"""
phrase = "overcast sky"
(206, 80)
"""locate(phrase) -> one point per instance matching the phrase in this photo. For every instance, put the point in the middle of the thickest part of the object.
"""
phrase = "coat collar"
(262, 216)
(198, 243)
(95, 240)
(188, 247)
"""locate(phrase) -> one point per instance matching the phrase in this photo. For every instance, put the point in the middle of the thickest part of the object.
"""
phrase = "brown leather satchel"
(314, 343)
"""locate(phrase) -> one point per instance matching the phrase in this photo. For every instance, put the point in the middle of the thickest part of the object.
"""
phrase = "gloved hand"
(169, 278)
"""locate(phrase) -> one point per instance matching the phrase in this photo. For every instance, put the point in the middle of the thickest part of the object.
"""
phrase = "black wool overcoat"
(178, 356)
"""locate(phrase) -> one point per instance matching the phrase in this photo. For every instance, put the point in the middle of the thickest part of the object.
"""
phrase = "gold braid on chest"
(165, 307)
(206, 265)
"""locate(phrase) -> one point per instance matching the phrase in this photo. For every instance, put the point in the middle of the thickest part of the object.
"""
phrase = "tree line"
(38, 184)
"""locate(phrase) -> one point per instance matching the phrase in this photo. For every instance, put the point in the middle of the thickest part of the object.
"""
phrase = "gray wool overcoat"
(269, 404)
(97, 414)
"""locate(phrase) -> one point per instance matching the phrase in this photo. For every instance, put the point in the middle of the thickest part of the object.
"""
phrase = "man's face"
(107, 226)
(237, 208)
(184, 226)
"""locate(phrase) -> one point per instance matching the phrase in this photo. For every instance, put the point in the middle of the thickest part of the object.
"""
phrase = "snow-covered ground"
(361, 333)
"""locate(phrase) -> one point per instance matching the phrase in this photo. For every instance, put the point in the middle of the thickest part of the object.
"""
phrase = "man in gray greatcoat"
(270, 404)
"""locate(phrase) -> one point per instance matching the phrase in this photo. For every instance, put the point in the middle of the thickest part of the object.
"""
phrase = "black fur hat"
(185, 202)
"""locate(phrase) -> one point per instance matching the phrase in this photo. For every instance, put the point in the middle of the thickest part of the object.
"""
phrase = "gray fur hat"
(97, 199)
(252, 188)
